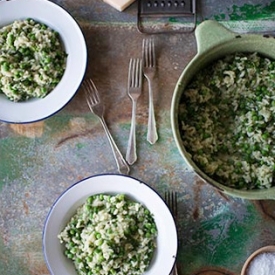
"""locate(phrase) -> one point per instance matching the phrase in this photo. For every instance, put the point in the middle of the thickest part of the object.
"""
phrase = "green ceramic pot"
(214, 41)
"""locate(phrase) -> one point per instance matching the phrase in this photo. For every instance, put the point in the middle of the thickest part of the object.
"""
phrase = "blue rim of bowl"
(84, 179)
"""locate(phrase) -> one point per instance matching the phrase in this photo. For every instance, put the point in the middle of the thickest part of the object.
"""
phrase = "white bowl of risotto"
(42, 60)
(222, 111)
(110, 224)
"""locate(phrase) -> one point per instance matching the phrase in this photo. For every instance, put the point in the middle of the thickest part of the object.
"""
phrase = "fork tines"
(135, 73)
(171, 200)
(148, 52)
(92, 95)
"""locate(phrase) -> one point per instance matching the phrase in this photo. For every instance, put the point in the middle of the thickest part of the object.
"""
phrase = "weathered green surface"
(39, 161)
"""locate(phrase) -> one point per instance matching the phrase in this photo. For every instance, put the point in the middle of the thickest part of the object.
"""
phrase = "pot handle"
(210, 33)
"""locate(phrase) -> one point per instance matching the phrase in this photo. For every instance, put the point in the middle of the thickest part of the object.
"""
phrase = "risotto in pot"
(227, 121)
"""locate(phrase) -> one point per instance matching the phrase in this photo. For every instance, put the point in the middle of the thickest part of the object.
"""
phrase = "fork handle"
(131, 154)
(175, 270)
(122, 165)
(152, 135)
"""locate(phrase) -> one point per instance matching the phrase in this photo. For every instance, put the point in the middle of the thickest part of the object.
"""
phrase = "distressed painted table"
(39, 161)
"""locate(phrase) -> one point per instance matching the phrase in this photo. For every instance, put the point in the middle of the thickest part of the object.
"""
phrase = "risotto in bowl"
(223, 111)
(42, 59)
(110, 224)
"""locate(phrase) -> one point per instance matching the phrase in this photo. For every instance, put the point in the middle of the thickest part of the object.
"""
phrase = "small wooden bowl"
(270, 248)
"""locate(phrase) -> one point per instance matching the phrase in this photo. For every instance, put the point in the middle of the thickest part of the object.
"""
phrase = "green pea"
(73, 250)
(72, 231)
(10, 39)
(265, 135)
(68, 254)
(148, 225)
(5, 66)
(90, 200)
(101, 197)
(250, 129)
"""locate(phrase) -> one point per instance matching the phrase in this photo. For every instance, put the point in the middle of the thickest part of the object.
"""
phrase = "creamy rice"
(110, 235)
(32, 60)
(227, 118)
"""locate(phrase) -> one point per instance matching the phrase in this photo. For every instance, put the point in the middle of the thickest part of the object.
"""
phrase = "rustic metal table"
(38, 161)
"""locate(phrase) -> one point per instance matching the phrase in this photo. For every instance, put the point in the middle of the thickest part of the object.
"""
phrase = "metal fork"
(171, 198)
(96, 107)
(134, 91)
(149, 71)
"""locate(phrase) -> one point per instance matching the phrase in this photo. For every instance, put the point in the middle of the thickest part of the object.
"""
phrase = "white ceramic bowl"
(75, 46)
(65, 207)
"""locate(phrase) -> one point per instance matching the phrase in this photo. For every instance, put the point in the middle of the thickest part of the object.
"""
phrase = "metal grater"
(158, 10)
